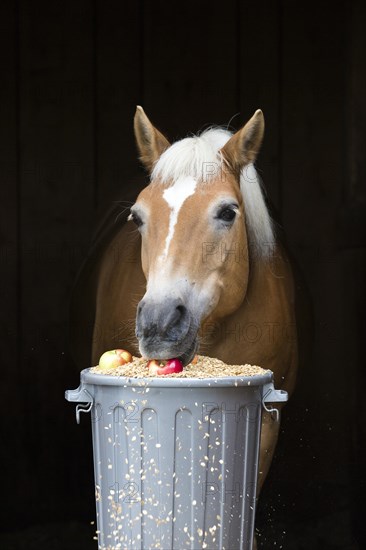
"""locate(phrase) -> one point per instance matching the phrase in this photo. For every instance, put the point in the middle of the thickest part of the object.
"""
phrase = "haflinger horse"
(212, 271)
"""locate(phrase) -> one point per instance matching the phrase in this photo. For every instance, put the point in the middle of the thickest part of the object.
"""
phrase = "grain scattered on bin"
(205, 367)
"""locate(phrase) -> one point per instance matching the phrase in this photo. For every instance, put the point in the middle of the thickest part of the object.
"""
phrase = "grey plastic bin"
(175, 459)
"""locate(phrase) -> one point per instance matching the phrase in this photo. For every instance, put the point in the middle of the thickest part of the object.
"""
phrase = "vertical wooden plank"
(259, 33)
(118, 90)
(190, 64)
(8, 188)
(353, 306)
(313, 170)
(12, 448)
(352, 237)
(57, 198)
(356, 113)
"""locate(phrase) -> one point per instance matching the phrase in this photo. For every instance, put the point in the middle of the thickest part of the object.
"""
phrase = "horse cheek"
(145, 260)
(235, 274)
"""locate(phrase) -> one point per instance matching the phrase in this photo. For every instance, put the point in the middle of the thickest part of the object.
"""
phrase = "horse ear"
(244, 146)
(150, 142)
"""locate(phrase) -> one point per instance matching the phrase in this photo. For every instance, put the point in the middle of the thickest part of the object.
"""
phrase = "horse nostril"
(181, 309)
(168, 320)
(172, 318)
(177, 315)
(139, 308)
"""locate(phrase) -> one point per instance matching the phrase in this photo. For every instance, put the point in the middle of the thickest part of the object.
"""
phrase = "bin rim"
(98, 379)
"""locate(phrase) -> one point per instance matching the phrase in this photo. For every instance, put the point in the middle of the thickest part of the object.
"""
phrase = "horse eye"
(227, 214)
(136, 219)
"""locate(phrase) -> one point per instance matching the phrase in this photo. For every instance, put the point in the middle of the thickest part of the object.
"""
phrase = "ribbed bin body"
(175, 461)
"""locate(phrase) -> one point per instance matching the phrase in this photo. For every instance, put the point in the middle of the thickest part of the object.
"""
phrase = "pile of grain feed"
(203, 367)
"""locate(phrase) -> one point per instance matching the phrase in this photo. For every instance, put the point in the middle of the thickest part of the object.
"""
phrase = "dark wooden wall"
(71, 75)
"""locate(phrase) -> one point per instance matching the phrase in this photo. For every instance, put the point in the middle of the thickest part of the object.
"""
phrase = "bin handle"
(83, 397)
(270, 395)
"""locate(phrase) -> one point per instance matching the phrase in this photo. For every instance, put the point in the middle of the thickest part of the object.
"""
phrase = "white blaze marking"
(175, 196)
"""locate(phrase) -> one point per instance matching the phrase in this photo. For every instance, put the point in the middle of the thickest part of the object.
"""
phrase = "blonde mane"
(199, 157)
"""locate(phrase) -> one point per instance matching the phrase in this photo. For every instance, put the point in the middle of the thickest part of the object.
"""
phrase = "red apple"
(114, 358)
(171, 366)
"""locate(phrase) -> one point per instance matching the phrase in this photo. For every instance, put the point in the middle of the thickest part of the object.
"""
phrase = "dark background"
(71, 75)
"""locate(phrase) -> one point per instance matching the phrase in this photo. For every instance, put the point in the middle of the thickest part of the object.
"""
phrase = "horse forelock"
(199, 157)
(195, 157)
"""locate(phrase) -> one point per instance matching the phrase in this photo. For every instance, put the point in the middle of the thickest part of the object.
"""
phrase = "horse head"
(195, 217)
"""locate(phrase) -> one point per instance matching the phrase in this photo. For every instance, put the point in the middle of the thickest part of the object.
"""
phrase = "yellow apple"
(114, 358)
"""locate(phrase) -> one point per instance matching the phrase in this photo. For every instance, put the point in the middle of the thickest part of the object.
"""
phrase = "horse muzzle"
(166, 329)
